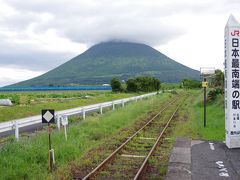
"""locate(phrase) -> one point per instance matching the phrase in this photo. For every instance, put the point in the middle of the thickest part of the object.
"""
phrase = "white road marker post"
(232, 78)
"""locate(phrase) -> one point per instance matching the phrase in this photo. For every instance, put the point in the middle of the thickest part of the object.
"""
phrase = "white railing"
(24, 122)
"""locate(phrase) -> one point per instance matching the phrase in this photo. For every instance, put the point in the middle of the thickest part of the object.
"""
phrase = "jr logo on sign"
(48, 116)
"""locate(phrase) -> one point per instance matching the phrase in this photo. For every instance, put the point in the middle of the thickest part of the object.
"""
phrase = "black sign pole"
(49, 137)
(49, 147)
(204, 103)
(48, 117)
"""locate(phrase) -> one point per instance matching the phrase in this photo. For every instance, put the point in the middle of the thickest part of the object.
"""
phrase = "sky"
(39, 35)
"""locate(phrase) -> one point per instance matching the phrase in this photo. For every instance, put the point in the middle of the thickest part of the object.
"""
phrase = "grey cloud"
(28, 57)
(89, 22)
(7, 81)
(33, 60)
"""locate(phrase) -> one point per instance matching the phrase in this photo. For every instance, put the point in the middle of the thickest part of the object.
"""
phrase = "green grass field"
(27, 159)
(31, 103)
(193, 127)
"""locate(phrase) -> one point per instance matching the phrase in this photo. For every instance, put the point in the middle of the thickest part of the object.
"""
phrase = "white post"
(65, 123)
(16, 131)
(65, 131)
(232, 77)
(101, 109)
(113, 106)
(59, 121)
(83, 113)
(122, 103)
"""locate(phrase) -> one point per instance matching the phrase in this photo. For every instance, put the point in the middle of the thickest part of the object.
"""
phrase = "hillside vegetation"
(100, 63)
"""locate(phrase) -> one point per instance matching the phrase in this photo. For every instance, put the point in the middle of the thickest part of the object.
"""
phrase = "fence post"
(83, 113)
(101, 109)
(113, 105)
(122, 103)
(65, 123)
(16, 130)
(59, 121)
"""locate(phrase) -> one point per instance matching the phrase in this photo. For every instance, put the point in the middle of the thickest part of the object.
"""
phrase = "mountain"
(100, 63)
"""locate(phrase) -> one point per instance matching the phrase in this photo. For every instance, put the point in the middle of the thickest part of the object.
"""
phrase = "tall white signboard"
(232, 84)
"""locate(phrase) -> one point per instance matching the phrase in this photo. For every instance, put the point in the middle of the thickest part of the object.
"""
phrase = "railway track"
(130, 159)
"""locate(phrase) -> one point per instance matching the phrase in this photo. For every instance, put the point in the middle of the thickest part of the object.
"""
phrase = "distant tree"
(132, 85)
(191, 84)
(156, 84)
(116, 85)
(143, 83)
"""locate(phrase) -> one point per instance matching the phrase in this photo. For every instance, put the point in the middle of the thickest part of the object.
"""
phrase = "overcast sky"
(38, 35)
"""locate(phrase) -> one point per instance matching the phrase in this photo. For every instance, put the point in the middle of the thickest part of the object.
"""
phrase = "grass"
(28, 158)
(189, 123)
(32, 103)
(170, 86)
(193, 115)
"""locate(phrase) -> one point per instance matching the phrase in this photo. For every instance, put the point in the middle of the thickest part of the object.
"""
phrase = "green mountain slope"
(101, 62)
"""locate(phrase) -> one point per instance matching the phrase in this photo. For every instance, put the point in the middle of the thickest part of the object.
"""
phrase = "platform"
(200, 160)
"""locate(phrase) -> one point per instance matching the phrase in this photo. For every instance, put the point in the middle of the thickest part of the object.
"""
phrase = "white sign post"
(232, 84)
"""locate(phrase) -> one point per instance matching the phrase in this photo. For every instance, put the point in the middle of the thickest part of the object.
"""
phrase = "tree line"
(148, 84)
(138, 84)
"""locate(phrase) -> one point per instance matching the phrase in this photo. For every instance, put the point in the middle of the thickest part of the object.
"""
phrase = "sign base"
(232, 141)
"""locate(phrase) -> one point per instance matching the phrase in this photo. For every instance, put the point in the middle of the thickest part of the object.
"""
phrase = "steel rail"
(123, 144)
(155, 145)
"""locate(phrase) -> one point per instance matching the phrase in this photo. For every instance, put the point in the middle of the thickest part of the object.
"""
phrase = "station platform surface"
(200, 160)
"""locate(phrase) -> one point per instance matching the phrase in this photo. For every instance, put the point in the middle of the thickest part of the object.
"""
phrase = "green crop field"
(30, 103)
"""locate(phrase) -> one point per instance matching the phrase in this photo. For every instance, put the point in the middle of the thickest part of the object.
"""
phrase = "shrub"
(191, 84)
(143, 83)
(116, 85)
(132, 85)
(212, 95)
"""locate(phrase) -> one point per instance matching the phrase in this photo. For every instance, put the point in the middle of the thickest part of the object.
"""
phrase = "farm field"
(30, 103)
